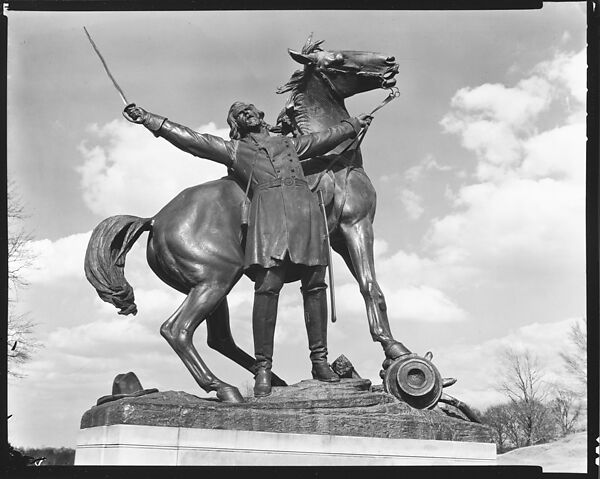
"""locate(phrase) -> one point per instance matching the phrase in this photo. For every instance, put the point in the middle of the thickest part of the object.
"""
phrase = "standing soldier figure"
(286, 236)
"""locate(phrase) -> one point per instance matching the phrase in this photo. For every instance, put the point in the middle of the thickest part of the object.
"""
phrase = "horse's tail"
(104, 262)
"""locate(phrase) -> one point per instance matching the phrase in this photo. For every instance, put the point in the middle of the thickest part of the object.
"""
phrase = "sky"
(479, 168)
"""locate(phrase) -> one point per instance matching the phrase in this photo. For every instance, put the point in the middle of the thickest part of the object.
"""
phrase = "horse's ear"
(299, 57)
(308, 43)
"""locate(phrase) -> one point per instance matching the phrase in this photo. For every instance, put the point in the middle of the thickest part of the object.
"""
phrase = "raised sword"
(107, 70)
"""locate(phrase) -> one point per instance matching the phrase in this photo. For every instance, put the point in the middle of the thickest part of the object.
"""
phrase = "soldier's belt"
(283, 182)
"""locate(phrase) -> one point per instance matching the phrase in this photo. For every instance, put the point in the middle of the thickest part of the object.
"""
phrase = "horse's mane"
(299, 76)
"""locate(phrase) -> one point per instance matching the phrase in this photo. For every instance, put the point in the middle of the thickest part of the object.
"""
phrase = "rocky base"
(348, 408)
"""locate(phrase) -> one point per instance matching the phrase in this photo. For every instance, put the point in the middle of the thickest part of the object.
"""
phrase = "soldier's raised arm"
(203, 145)
(319, 143)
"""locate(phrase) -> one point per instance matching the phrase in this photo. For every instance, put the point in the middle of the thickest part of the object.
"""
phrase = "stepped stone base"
(176, 446)
(309, 423)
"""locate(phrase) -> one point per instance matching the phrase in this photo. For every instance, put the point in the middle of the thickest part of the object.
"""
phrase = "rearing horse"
(195, 242)
(316, 103)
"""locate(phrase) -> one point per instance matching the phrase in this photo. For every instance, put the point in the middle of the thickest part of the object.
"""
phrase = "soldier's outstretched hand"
(134, 113)
(364, 119)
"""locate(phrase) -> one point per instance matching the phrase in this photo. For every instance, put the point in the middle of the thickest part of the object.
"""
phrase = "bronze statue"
(196, 242)
(285, 238)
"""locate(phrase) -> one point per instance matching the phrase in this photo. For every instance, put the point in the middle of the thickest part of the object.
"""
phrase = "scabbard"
(329, 258)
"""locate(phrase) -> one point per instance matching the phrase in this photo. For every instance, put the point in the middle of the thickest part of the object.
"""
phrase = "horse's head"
(347, 72)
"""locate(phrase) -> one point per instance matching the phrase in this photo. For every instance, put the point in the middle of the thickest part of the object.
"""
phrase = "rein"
(394, 93)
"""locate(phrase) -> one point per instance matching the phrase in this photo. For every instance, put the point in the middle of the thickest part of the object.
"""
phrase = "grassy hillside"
(568, 454)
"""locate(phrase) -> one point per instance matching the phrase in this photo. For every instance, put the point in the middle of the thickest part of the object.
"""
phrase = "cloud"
(521, 227)
(416, 173)
(160, 301)
(496, 121)
(390, 177)
(524, 215)
(407, 186)
(423, 303)
(105, 339)
(412, 202)
(126, 170)
(56, 260)
(556, 153)
(516, 106)
(568, 71)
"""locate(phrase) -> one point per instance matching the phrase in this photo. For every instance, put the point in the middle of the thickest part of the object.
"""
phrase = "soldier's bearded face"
(249, 118)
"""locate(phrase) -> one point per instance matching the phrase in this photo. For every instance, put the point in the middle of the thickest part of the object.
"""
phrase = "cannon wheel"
(414, 379)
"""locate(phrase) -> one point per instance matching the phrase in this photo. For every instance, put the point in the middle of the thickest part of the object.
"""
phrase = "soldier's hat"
(125, 385)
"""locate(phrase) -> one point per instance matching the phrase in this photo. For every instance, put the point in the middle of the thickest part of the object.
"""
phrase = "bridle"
(321, 71)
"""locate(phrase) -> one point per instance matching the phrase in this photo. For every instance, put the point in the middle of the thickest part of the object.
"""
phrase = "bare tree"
(575, 358)
(524, 386)
(514, 431)
(570, 403)
(20, 340)
(566, 409)
(498, 417)
(19, 256)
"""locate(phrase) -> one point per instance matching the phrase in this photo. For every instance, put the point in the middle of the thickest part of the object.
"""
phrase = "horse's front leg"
(358, 236)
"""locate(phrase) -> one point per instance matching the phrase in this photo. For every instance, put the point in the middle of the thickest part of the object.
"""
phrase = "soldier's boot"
(315, 315)
(262, 383)
(264, 317)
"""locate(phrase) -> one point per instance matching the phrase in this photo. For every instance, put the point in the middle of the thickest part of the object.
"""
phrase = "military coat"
(285, 216)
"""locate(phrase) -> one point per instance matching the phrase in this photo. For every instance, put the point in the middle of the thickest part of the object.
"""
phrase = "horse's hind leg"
(220, 339)
(179, 329)
(359, 250)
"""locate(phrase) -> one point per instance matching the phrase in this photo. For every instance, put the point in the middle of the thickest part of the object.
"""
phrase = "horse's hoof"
(230, 394)
(395, 350)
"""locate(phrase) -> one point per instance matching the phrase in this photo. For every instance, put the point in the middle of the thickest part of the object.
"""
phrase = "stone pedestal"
(177, 446)
(309, 423)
